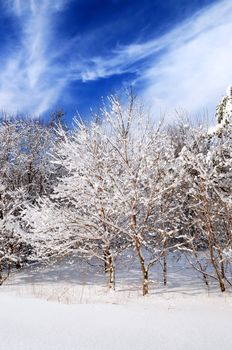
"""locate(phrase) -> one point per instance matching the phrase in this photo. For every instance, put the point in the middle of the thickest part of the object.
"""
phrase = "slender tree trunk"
(164, 270)
(142, 266)
(198, 263)
(112, 276)
(106, 258)
(219, 274)
(1, 276)
(222, 285)
(222, 268)
(109, 268)
(211, 239)
(145, 282)
(205, 279)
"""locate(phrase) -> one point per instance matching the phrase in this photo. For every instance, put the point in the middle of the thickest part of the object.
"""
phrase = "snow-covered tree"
(224, 110)
(14, 249)
(80, 214)
(25, 173)
(206, 183)
(24, 155)
(118, 171)
(128, 183)
(144, 180)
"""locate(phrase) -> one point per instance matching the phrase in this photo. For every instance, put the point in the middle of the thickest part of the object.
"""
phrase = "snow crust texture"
(31, 324)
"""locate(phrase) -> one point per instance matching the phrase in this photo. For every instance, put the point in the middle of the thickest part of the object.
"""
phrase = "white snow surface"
(150, 323)
(62, 308)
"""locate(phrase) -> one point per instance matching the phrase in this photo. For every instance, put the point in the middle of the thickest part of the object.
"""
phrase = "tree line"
(121, 182)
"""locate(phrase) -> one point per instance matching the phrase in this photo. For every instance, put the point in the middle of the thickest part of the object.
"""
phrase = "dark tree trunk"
(109, 268)
(165, 270)
(145, 282)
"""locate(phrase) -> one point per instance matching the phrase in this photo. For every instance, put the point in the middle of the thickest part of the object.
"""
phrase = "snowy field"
(31, 324)
(62, 308)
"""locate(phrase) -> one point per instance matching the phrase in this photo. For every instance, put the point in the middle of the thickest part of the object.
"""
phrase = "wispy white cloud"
(188, 67)
(196, 69)
(29, 79)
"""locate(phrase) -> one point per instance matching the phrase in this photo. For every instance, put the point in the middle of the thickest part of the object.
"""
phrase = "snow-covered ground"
(181, 323)
(69, 307)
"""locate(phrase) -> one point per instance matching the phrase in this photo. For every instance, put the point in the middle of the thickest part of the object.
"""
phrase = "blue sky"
(70, 53)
